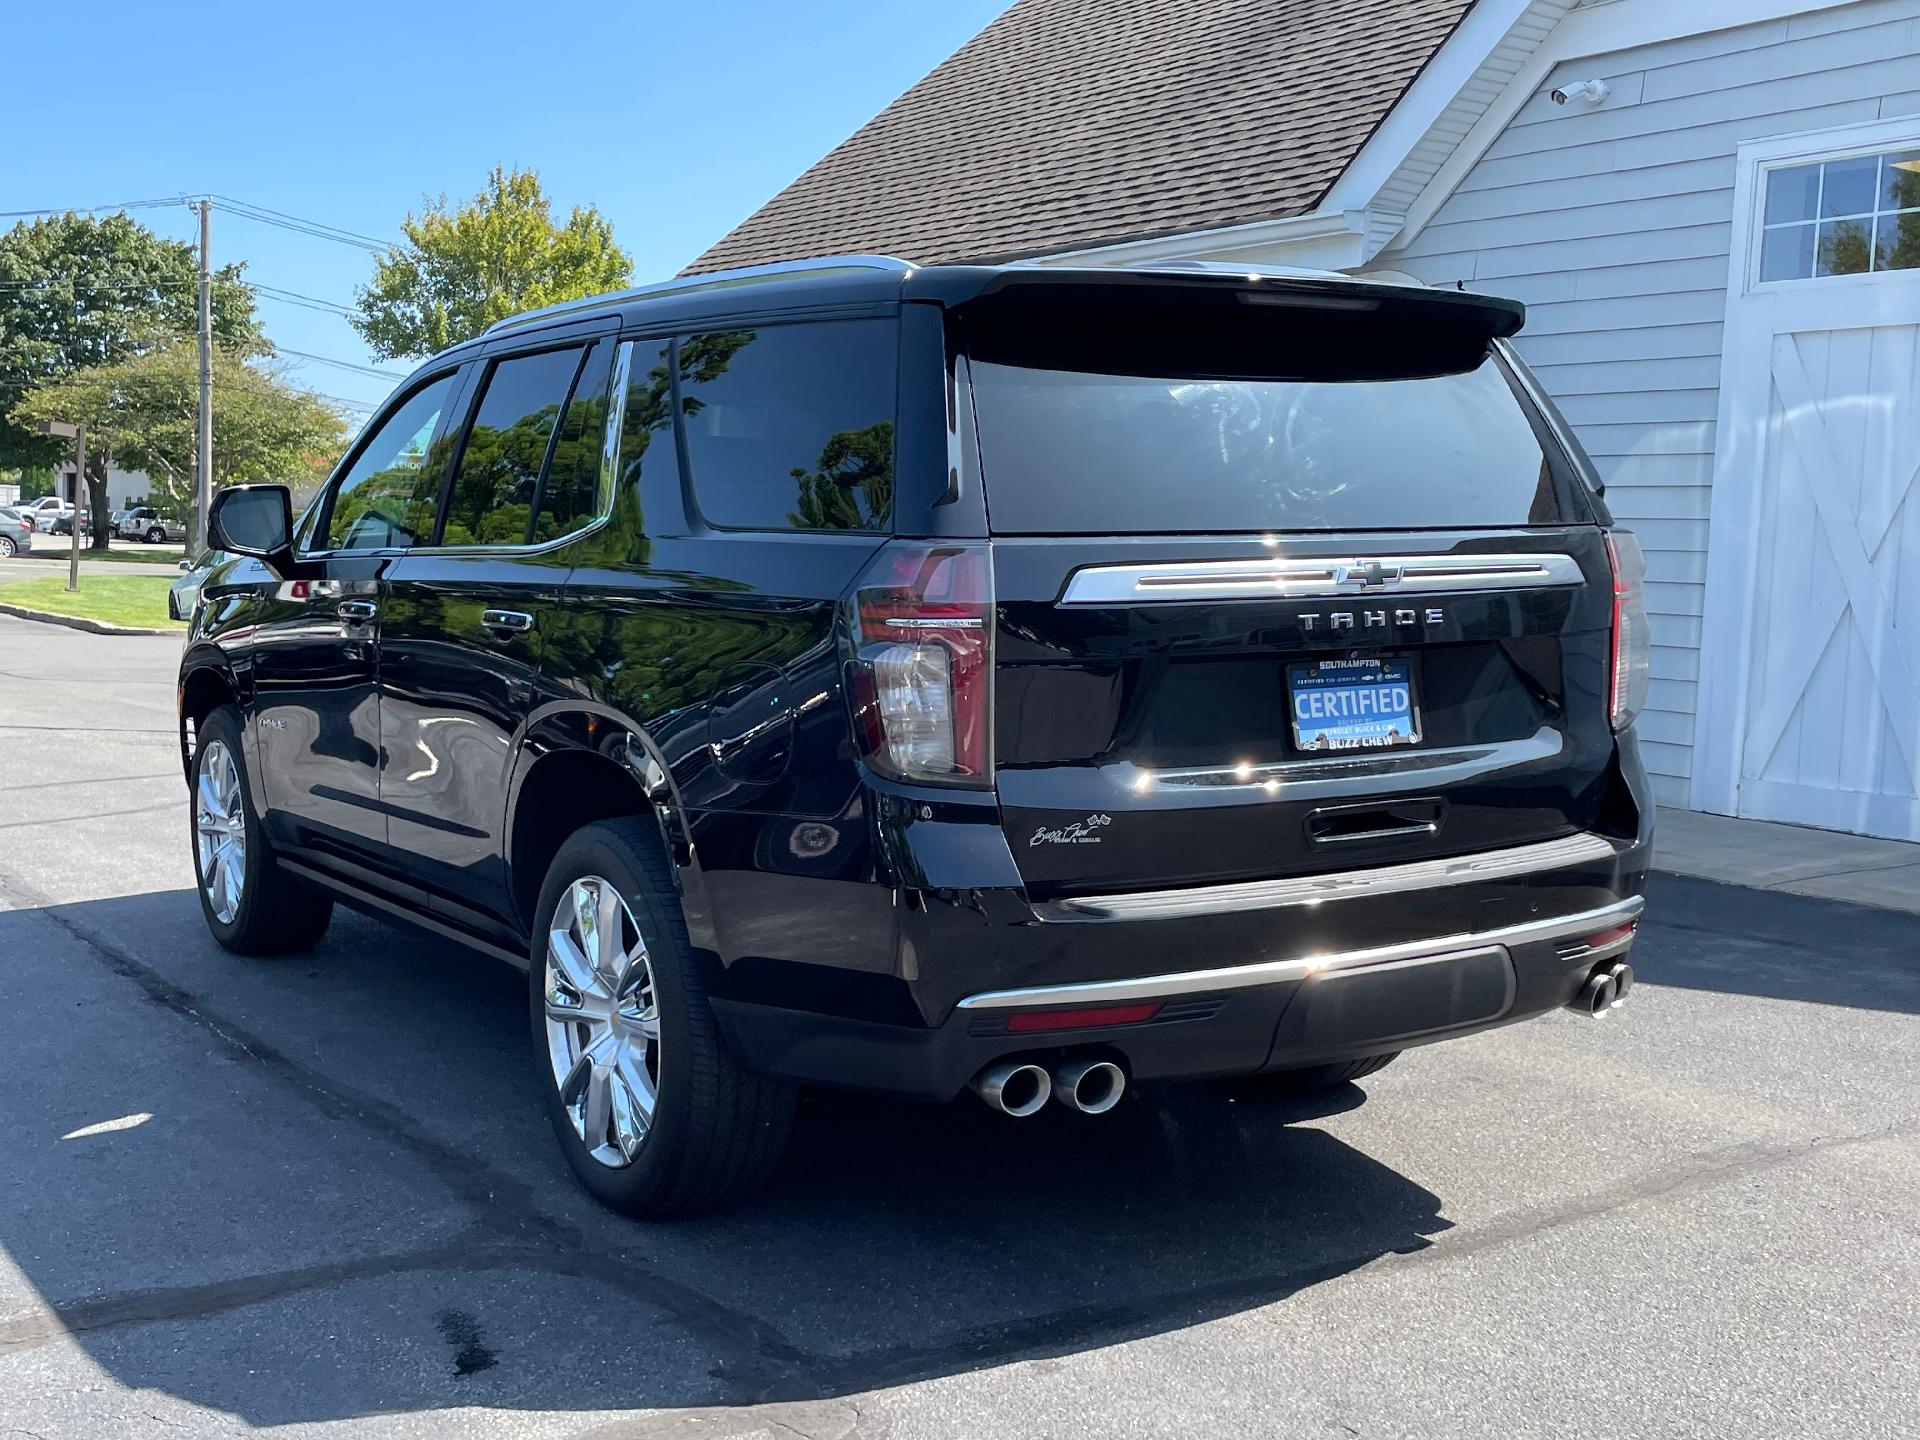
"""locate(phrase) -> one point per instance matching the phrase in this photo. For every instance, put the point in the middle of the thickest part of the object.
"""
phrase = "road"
(319, 1193)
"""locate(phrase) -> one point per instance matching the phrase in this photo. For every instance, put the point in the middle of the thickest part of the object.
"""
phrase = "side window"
(570, 493)
(500, 464)
(790, 427)
(390, 498)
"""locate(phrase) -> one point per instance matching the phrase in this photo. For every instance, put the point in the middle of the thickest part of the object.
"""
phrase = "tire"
(1309, 1078)
(156, 535)
(269, 912)
(8, 549)
(715, 1129)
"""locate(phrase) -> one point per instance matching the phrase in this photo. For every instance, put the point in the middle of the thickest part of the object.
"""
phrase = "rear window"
(1079, 452)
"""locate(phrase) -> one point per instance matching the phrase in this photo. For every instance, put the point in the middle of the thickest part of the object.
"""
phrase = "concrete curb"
(76, 622)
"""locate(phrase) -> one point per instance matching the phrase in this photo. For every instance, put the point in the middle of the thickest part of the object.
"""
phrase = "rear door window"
(570, 491)
(495, 487)
(1073, 452)
(791, 427)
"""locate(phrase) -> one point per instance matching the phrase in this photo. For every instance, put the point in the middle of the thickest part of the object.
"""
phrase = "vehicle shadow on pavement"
(1703, 935)
(346, 1202)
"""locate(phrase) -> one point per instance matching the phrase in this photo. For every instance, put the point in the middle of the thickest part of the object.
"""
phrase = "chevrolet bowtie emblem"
(1365, 573)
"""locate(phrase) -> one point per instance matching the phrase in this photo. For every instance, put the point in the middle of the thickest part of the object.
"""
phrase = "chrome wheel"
(220, 831)
(603, 1020)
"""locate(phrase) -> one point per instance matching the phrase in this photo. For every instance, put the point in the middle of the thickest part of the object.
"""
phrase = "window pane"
(646, 426)
(1791, 193)
(391, 497)
(1900, 180)
(570, 495)
(790, 427)
(493, 491)
(1898, 244)
(1069, 452)
(1846, 247)
(1787, 253)
(1851, 186)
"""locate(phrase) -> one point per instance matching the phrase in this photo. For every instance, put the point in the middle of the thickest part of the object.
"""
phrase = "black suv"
(913, 678)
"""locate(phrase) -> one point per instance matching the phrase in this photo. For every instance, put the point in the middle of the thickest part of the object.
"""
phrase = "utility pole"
(203, 462)
(77, 434)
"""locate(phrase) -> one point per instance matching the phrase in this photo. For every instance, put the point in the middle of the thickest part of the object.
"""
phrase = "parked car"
(44, 511)
(143, 522)
(922, 678)
(62, 523)
(16, 534)
(184, 593)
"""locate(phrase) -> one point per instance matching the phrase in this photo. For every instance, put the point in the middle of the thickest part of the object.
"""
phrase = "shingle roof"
(1068, 123)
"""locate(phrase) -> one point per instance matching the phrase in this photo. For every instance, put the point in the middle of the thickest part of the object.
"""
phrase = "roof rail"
(713, 279)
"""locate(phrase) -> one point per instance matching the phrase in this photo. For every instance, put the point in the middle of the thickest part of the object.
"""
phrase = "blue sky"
(676, 120)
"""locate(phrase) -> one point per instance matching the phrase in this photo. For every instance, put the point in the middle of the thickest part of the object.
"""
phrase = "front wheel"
(655, 1115)
(251, 905)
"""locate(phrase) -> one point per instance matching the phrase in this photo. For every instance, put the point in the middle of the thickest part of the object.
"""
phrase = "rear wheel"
(655, 1115)
(1309, 1078)
(251, 905)
(7, 547)
(156, 535)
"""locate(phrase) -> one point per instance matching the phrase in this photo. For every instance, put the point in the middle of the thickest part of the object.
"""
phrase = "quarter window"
(495, 488)
(790, 427)
(390, 496)
(1842, 217)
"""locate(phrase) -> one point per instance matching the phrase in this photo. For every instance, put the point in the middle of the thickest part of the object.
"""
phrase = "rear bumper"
(1247, 978)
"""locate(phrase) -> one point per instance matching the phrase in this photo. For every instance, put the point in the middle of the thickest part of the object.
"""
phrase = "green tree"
(496, 255)
(143, 411)
(78, 292)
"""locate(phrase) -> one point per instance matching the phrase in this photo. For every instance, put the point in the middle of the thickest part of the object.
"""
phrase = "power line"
(342, 364)
(92, 209)
(320, 229)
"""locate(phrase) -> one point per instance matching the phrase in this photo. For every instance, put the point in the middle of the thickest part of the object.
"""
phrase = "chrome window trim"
(1294, 577)
(1580, 849)
(1279, 972)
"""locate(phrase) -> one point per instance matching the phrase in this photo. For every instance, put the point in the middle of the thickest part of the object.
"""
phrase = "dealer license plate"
(1352, 704)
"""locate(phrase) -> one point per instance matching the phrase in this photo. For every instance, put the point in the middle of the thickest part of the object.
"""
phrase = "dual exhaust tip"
(1022, 1088)
(1606, 988)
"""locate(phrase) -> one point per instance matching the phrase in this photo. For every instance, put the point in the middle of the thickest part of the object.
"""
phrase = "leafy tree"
(852, 486)
(496, 255)
(79, 292)
(143, 411)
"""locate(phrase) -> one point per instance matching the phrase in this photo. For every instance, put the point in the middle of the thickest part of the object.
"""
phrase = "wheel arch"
(206, 683)
(577, 763)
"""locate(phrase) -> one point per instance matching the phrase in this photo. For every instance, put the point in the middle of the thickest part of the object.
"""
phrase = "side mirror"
(184, 565)
(255, 520)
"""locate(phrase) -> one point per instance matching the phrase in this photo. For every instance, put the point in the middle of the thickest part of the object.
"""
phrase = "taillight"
(922, 672)
(1632, 646)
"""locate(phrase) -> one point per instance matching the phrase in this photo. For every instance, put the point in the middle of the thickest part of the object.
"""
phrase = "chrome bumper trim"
(1280, 972)
(1302, 577)
(1338, 885)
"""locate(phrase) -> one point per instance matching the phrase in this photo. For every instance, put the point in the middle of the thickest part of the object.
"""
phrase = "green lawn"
(139, 600)
(54, 547)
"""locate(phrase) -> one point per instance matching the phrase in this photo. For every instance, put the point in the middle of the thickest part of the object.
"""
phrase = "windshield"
(1077, 452)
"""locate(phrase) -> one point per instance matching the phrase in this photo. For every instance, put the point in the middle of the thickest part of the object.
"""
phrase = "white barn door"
(1810, 704)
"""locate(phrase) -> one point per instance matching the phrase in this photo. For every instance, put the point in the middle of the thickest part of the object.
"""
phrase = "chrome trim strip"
(1280, 972)
(1318, 577)
(1337, 885)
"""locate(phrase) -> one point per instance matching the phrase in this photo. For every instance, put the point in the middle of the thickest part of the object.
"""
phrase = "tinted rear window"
(1077, 452)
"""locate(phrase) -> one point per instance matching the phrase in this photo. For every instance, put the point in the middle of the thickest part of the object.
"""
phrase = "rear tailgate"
(1288, 580)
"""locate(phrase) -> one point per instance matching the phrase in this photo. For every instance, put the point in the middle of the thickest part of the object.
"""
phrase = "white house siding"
(1613, 225)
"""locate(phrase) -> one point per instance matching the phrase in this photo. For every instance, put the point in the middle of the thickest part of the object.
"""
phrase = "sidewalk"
(1765, 856)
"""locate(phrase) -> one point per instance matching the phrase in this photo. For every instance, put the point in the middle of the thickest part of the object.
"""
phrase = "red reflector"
(1083, 1019)
(1608, 937)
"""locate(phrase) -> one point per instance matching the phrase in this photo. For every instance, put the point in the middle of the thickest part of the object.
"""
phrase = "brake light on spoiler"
(921, 676)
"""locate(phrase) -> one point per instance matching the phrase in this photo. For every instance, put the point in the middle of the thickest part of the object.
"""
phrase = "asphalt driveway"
(319, 1192)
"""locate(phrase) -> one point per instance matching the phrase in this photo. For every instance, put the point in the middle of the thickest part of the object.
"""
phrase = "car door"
(316, 649)
(461, 621)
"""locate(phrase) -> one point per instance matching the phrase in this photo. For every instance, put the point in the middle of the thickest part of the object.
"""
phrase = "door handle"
(356, 612)
(507, 622)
